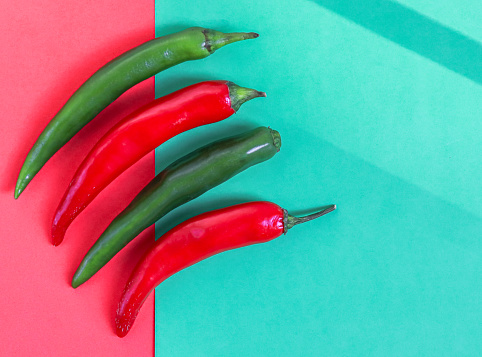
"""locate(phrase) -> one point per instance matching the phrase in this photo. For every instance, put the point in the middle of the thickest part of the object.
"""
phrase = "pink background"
(48, 48)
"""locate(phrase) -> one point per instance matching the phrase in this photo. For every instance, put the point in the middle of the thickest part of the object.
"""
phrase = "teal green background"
(379, 105)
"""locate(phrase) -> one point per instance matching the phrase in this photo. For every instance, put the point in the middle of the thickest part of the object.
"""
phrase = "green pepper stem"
(238, 36)
(214, 40)
(290, 221)
(240, 95)
(276, 138)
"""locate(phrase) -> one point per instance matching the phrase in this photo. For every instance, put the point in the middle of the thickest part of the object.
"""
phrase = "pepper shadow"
(415, 32)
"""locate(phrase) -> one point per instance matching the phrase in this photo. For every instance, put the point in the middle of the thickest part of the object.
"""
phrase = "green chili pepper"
(113, 79)
(181, 182)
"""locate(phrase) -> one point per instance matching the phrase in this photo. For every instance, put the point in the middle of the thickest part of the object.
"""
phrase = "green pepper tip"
(19, 189)
(75, 283)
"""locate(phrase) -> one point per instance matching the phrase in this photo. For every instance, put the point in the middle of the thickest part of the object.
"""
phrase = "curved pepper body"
(135, 136)
(192, 241)
(181, 182)
(113, 79)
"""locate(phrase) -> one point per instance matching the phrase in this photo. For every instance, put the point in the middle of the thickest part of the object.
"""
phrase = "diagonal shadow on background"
(415, 32)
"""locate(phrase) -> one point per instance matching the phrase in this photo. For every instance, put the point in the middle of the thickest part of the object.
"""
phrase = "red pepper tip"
(57, 239)
(121, 330)
(58, 233)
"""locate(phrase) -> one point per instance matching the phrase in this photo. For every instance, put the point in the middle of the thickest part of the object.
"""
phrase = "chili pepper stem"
(215, 39)
(240, 95)
(276, 139)
(291, 221)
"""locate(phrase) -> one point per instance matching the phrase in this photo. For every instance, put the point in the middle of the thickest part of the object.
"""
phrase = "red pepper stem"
(240, 95)
(290, 221)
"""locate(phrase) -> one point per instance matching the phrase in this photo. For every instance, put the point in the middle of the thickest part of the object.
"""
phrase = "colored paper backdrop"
(48, 48)
(379, 105)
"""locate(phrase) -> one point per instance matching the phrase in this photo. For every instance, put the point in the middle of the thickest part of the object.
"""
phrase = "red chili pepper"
(199, 238)
(141, 132)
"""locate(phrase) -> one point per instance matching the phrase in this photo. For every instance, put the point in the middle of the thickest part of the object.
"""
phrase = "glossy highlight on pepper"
(184, 180)
(141, 132)
(113, 79)
(197, 239)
